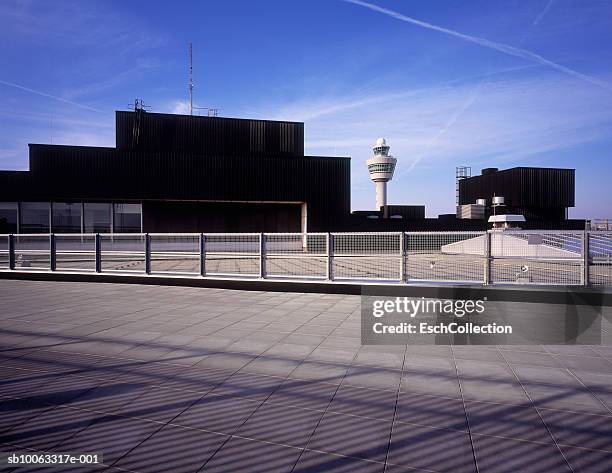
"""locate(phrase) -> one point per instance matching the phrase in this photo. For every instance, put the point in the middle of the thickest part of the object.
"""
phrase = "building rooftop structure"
(182, 173)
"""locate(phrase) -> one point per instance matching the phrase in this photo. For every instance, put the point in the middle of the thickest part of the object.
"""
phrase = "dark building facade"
(537, 193)
(180, 173)
(174, 173)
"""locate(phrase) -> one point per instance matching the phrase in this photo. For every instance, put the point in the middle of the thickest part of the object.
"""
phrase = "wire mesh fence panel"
(296, 255)
(232, 254)
(175, 253)
(532, 257)
(600, 255)
(4, 251)
(516, 256)
(32, 252)
(75, 252)
(123, 252)
(366, 256)
(445, 256)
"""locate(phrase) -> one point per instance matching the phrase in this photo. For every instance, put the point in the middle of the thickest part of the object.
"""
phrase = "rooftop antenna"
(139, 107)
(210, 112)
(190, 79)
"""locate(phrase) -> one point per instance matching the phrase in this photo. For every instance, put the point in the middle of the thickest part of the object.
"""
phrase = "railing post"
(147, 253)
(202, 254)
(98, 251)
(402, 252)
(262, 255)
(330, 257)
(487, 259)
(585, 273)
(11, 249)
(52, 252)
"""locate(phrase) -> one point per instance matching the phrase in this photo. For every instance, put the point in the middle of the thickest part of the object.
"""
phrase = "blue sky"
(480, 83)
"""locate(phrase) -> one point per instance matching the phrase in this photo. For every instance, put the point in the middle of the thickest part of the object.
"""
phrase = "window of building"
(97, 218)
(8, 217)
(34, 217)
(66, 217)
(128, 218)
(385, 167)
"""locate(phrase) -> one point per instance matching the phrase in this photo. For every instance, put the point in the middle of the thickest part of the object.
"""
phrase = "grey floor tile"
(321, 371)
(112, 435)
(438, 383)
(585, 363)
(317, 462)
(588, 461)
(159, 404)
(375, 403)
(150, 373)
(432, 411)
(22, 383)
(198, 379)
(530, 358)
(352, 436)
(217, 413)
(63, 389)
(227, 361)
(272, 367)
(284, 425)
(370, 377)
(506, 420)
(494, 390)
(50, 428)
(240, 455)
(579, 430)
(571, 398)
(334, 355)
(249, 385)
(109, 396)
(431, 449)
(497, 455)
(304, 394)
(15, 412)
(477, 353)
(174, 449)
(393, 361)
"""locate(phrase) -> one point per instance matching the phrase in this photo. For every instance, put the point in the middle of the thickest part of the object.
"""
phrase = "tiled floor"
(191, 379)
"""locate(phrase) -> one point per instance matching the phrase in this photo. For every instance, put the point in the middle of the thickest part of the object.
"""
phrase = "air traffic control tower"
(381, 167)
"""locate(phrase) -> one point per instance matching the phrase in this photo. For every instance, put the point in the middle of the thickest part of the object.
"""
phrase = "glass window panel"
(8, 217)
(97, 218)
(128, 218)
(34, 217)
(66, 218)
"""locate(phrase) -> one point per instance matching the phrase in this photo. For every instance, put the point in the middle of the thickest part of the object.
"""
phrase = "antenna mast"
(190, 80)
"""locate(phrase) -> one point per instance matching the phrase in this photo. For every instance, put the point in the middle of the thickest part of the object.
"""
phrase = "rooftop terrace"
(200, 379)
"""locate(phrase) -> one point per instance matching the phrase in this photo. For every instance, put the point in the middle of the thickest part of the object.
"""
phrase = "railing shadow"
(80, 366)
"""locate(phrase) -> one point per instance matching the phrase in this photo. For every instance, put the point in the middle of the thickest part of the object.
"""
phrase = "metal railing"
(495, 257)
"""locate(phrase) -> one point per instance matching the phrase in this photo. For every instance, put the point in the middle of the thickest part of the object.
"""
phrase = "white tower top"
(381, 167)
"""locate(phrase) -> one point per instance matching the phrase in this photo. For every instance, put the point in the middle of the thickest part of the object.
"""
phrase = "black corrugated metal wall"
(542, 193)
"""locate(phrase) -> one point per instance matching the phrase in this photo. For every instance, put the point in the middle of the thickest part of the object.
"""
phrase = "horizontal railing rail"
(536, 257)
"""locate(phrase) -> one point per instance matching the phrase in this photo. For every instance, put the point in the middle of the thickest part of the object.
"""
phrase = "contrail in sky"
(450, 122)
(43, 94)
(503, 48)
(542, 13)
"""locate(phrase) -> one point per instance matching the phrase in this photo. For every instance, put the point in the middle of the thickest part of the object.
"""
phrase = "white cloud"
(499, 122)
(180, 107)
